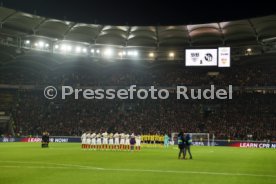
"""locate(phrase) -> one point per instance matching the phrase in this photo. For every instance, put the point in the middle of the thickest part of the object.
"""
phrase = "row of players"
(110, 141)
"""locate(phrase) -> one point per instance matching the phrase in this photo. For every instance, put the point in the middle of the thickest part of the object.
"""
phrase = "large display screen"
(224, 57)
(201, 57)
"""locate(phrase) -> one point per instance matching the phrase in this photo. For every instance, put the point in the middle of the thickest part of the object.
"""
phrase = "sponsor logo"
(256, 145)
(198, 143)
(5, 139)
(224, 54)
(208, 57)
(194, 56)
(61, 140)
(34, 140)
(224, 61)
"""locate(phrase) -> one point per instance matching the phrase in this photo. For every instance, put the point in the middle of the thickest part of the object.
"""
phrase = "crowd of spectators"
(246, 115)
(127, 74)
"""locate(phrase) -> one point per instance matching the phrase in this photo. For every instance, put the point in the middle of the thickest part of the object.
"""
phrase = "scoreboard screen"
(201, 57)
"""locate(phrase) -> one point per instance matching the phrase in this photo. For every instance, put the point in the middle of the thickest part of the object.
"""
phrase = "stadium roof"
(240, 32)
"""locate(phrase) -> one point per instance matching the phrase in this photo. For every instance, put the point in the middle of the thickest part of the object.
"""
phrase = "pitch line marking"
(66, 165)
(69, 166)
(34, 167)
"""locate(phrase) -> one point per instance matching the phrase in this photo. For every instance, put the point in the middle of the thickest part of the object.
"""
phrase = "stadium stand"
(247, 114)
(26, 68)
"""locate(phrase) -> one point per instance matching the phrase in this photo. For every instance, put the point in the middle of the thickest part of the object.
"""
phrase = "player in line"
(117, 140)
(83, 140)
(105, 141)
(110, 141)
(93, 141)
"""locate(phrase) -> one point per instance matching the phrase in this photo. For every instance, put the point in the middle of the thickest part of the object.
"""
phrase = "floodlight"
(129, 53)
(63, 47)
(135, 53)
(40, 44)
(171, 54)
(84, 50)
(108, 52)
(78, 49)
(66, 48)
(69, 48)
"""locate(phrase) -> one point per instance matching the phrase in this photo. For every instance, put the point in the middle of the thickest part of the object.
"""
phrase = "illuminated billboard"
(224, 57)
(201, 57)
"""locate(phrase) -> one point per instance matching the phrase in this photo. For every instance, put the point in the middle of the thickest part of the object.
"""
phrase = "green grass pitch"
(27, 163)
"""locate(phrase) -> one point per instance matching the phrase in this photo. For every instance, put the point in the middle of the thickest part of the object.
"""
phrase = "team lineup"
(105, 141)
(122, 141)
(126, 142)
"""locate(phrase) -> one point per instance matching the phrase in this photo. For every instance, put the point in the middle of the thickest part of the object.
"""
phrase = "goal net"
(198, 139)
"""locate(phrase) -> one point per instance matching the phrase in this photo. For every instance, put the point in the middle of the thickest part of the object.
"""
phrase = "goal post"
(198, 139)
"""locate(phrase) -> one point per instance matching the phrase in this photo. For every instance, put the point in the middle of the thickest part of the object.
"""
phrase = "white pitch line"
(33, 167)
(192, 172)
(69, 166)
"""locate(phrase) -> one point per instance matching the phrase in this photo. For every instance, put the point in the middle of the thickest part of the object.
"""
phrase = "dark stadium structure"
(37, 51)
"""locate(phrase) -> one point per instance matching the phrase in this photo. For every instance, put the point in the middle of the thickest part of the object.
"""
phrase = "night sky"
(150, 12)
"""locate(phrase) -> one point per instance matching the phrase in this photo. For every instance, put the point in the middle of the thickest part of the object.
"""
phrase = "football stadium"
(84, 102)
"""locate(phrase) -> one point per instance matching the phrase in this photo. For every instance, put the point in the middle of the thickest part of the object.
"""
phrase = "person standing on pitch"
(181, 144)
(166, 141)
(188, 140)
(45, 140)
(132, 142)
